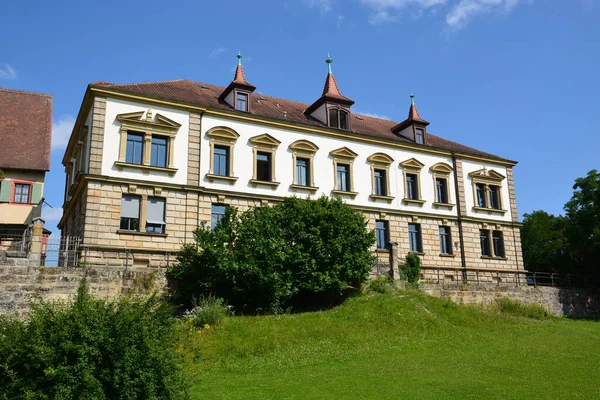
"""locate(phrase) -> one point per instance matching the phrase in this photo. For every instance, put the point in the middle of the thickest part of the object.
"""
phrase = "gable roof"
(25, 130)
(206, 95)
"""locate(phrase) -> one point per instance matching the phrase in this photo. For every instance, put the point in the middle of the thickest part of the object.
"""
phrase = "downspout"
(463, 259)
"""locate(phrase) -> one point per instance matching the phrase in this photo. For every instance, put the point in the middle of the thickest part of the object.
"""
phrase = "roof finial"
(239, 56)
(412, 99)
(329, 61)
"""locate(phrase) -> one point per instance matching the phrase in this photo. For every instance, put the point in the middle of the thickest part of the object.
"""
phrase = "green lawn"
(399, 346)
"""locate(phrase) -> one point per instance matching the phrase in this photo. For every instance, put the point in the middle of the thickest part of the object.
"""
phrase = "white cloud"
(61, 131)
(51, 214)
(461, 13)
(322, 5)
(373, 115)
(7, 72)
(389, 10)
(217, 52)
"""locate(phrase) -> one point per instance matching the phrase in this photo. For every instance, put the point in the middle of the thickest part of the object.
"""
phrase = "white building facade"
(148, 163)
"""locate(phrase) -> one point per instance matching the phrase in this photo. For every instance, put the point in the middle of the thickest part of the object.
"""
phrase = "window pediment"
(343, 152)
(224, 133)
(305, 146)
(487, 175)
(412, 163)
(380, 158)
(441, 168)
(265, 140)
(135, 120)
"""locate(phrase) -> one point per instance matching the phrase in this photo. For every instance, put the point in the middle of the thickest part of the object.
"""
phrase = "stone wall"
(20, 283)
(569, 302)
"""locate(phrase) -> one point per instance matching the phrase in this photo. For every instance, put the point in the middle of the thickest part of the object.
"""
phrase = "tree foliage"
(91, 349)
(265, 258)
(570, 243)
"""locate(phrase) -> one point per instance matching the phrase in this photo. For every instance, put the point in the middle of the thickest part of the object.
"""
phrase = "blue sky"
(517, 78)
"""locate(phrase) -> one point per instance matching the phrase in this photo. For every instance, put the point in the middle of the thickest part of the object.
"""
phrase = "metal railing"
(562, 280)
(19, 242)
(381, 264)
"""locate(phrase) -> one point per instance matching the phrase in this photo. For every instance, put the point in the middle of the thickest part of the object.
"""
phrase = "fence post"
(35, 251)
(394, 268)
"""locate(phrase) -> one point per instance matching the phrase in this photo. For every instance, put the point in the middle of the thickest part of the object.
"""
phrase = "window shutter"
(130, 207)
(156, 211)
(5, 189)
(36, 194)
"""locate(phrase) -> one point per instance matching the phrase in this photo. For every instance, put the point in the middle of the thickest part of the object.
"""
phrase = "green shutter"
(5, 189)
(36, 194)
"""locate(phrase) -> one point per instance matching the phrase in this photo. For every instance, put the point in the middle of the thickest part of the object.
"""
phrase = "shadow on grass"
(306, 301)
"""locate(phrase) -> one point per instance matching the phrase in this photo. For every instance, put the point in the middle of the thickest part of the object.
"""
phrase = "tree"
(267, 258)
(544, 241)
(583, 228)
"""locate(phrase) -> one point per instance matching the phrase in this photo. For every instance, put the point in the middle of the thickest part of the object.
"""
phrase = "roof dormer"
(237, 94)
(332, 108)
(414, 127)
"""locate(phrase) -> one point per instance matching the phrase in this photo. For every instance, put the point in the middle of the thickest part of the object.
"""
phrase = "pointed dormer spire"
(239, 84)
(331, 88)
(413, 113)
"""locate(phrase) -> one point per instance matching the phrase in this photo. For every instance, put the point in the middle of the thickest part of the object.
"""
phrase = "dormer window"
(338, 118)
(420, 135)
(241, 101)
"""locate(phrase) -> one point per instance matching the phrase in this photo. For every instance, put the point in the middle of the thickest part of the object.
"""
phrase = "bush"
(208, 310)
(411, 269)
(264, 259)
(380, 284)
(91, 349)
(515, 307)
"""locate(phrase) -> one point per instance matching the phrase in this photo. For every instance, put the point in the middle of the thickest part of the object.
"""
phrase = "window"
(342, 166)
(158, 153)
(381, 234)
(147, 142)
(441, 190)
(265, 148)
(414, 238)
(302, 171)
(241, 101)
(412, 188)
(343, 177)
(487, 190)
(303, 153)
(445, 240)
(484, 238)
(263, 166)
(380, 168)
(498, 240)
(338, 118)
(494, 197)
(130, 213)
(135, 148)
(155, 218)
(222, 141)
(379, 175)
(22, 193)
(221, 160)
(480, 194)
(419, 135)
(217, 213)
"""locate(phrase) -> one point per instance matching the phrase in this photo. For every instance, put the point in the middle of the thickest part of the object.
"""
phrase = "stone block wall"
(568, 302)
(21, 283)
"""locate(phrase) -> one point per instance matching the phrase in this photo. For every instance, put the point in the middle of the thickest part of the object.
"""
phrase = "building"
(147, 163)
(25, 135)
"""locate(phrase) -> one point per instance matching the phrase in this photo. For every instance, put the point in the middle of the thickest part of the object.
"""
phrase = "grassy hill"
(397, 346)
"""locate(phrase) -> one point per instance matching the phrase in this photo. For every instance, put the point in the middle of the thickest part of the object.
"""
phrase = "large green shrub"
(91, 349)
(266, 259)
(411, 269)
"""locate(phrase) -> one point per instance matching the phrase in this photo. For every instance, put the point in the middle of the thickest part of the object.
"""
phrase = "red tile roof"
(25, 130)
(206, 95)
(331, 89)
(413, 115)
